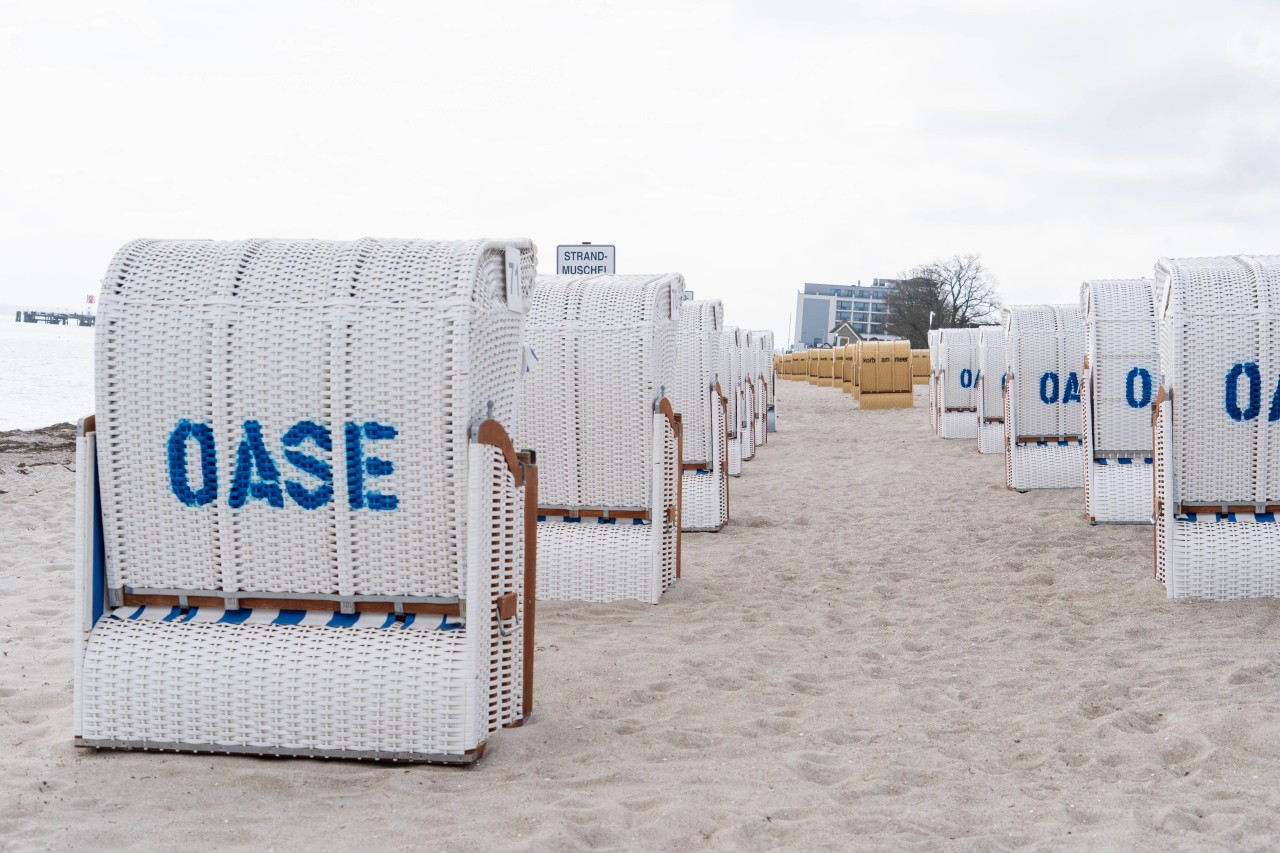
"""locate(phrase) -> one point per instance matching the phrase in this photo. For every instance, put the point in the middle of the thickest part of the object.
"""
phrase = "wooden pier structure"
(55, 318)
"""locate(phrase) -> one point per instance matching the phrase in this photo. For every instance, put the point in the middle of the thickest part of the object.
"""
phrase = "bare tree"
(958, 292)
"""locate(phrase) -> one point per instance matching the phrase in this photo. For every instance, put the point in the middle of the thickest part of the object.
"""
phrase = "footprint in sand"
(819, 768)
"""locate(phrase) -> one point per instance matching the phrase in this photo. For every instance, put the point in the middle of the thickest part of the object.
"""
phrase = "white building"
(819, 307)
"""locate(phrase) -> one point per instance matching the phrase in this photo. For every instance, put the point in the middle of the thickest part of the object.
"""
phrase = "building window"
(842, 306)
(860, 318)
(877, 329)
(861, 306)
(842, 315)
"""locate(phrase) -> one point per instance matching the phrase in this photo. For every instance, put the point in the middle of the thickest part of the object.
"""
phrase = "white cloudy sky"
(751, 145)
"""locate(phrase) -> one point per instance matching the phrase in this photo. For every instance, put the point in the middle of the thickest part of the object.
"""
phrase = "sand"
(884, 650)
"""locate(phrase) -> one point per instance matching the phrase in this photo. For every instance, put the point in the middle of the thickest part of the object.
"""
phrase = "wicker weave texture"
(1045, 354)
(990, 396)
(1123, 355)
(957, 371)
(731, 375)
(1220, 357)
(1044, 347)
(705, 499)
(370, 685)
(606, 352)
(603, 560)
(698, 357)
(245, 341)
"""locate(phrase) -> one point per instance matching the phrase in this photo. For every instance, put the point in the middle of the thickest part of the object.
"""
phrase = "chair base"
(221, 683)
(1119, 493)
(704, 506)
(1220, 559)
(958, 425)
(464, 760)
(991, 437)
(886, 400)
(602, 562)
(771, 424)
(1047, 466)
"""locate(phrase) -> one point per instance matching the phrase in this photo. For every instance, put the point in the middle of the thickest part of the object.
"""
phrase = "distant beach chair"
(1118, 389)
(884, 375)
(990, 396)
(597, 406)
(704, 503)
(771, 382)
(1044, 351)
(748, 388)
(1217, 460)
(934, 420)
(302, 529)
(845, 367)
(731, 385)
(761, 377)
(957, 371)
(920, 368)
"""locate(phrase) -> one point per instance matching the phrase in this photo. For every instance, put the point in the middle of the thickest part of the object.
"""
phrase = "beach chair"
(302, 529)
(597, 406)
(1217, 458)
(934, 420)
(1044, 353)
(760, 384)
(884, 375)
(1117, 390)
(747, 390)
(731, 385)
(990, 396)
(957, 371)
(920, 367)
(698, 398)
(771, 382)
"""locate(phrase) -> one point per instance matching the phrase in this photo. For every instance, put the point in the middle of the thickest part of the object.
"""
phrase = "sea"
(46, 372)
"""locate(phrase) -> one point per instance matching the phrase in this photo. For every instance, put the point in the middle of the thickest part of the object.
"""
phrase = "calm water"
(46, 373)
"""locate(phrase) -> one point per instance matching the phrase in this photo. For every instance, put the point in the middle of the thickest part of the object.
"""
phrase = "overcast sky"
(752, 146)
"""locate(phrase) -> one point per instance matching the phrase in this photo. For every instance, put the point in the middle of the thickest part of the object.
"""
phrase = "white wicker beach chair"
(597, 409)
(1217, 459)
(934, 335)
(762, 384)
(302, 529)
(770, 371)
(750, 388)
(991, 370)
(733, 384)
(1118, 388)
(703, 408)
(1044, 351)
(957, 371)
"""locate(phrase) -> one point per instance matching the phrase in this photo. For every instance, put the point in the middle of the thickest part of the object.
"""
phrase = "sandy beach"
(886, 649)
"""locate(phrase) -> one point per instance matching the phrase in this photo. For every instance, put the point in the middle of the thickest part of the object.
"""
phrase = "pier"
(55, 318)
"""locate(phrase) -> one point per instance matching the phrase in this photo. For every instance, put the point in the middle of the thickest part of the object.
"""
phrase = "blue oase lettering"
(359, 466)
(252, 458)
(179, 482)
(1138, 401)
(1250, 371)
(1049, 388)
(318, 468)
(1071, 392)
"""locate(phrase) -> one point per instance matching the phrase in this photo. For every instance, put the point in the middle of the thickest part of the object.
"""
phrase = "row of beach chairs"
(878, 374)
(326, 483)
(1156, 397)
